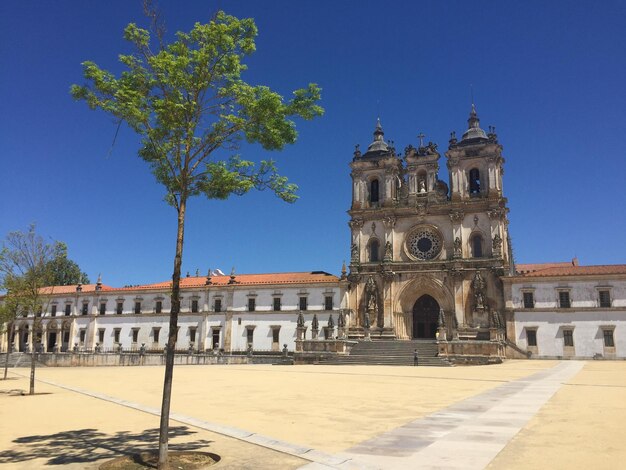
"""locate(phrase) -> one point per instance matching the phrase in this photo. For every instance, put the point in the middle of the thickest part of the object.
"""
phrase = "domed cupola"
(473, 133)
(378, 147)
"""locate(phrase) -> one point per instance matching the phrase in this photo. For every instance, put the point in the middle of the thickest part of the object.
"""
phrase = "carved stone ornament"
(356, 224)
(373, 228)
(421, 209)
(354, 253)
(498, 213)
(300, 322)
(357, 151)
(389, 221)
(315, 324)
(331, 322)
(456, 216)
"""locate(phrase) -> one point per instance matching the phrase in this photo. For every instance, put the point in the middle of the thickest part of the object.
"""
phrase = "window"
(53, 310)
(474, 181)
(374, 196)
(68, 309)
(303, 303)
(85, 309)
(608, 338)
(568, 338)
(531, 337)
(564, 300)
(529, 300)
(194, 306)
(328, 302)
(135, 334)
(215, 336)
(374, 250)
(82, 334)
(137, 308)
(477, 246)
(116, 335)
(103, 308)
(605, 298)
(276, 335)
(101, 335)
(120, 308)
(158, 308)
(251, 304)
(155, 334)
(192, 335)
(218, 305)
(249, 336)
(277, 304)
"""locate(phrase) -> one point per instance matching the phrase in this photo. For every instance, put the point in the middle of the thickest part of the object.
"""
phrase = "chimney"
(575, 261)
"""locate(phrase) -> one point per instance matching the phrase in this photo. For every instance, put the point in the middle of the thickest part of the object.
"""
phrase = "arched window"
(374, 251)
(474, 181)
(374, 191)
(477, 246)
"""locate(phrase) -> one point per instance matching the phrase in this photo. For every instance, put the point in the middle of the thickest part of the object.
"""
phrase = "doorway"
(425, 317)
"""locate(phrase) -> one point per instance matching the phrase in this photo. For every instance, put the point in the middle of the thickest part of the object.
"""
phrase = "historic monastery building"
(429, 260)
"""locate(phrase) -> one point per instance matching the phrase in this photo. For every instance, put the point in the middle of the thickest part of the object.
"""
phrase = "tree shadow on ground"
(90, 445)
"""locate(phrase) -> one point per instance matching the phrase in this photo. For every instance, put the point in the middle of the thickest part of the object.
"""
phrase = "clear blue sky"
(549, 75)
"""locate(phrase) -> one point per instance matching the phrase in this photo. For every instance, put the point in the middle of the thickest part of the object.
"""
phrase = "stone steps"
(385, 352)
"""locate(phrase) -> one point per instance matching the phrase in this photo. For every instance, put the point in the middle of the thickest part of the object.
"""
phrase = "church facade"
(429, 260)
(427, 256)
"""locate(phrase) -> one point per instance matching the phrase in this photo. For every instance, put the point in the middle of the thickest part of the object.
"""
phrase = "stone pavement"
(324, 417)
(467, 435)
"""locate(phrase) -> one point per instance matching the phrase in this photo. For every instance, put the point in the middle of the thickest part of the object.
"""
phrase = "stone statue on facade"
(421, 186)
(354, 253)
(441, 321)
(300, 323)
(388, 252)
(497, 242)
(372, 295)
(479, 285)
(457, 246)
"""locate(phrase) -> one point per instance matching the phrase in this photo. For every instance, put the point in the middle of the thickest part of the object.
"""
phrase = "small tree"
(25, 276)
(65, 272)
(187, 101)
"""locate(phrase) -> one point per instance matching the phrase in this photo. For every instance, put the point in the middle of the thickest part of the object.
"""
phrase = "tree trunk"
(6, 359)
(33, 356)
(171, 340)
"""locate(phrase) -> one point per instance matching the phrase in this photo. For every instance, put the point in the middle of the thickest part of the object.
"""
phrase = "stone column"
(228, 328)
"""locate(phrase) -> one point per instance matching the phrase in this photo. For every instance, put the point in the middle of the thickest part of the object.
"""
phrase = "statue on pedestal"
(371, 292)
(479, 285)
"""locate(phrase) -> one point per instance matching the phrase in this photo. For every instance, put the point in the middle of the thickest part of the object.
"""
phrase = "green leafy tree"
(192, 109)
(65, 272)
(26, 277)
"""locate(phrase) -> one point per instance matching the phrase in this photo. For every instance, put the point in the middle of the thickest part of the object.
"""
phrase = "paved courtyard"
(520, 414)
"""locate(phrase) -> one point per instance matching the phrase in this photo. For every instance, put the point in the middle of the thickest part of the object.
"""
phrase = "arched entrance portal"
(425, 316)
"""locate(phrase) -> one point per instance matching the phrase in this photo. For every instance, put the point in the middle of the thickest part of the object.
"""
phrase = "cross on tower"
(421, 136)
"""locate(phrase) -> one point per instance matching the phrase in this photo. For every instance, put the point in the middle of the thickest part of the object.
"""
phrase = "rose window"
(424, 244)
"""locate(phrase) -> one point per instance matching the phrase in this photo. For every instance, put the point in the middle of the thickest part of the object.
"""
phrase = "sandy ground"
(329, 408)
(582, 426)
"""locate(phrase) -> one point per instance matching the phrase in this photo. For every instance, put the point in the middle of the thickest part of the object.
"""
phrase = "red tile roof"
(72, 289)
(311, 277)
(528, 268)
(569, 270)
(247, 280)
